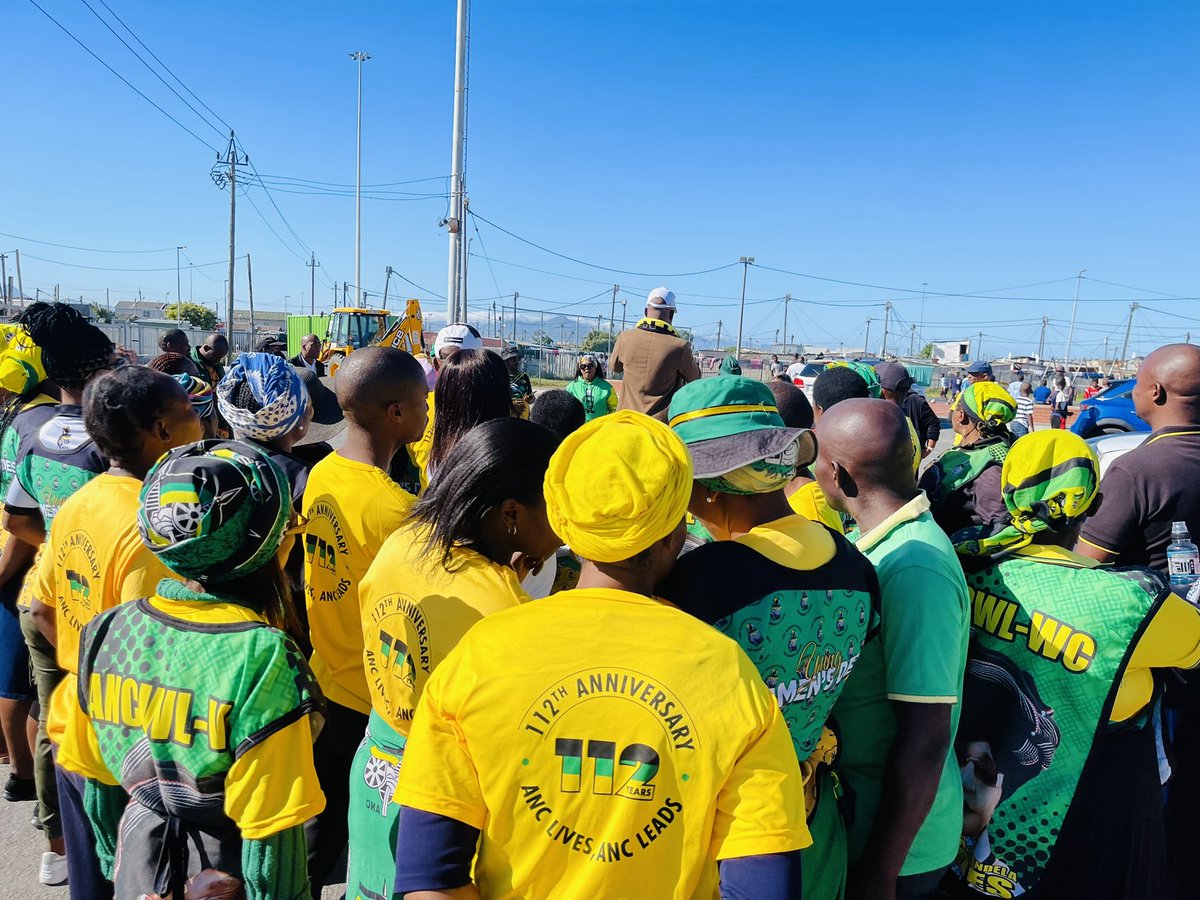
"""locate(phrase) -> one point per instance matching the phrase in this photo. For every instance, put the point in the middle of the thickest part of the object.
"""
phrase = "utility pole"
(335, 302)
(787, 298)
(455, 222)
(387, 282)
(719, 323)
(612, 318)
(1042, 339)
(887, 317)
(359, 57)
(624, 301)
(867, 339)
(746, 262)
(345, 290)
(250, 285)
(516, 294)
(979, 347)
(3, 277)
(912, 337)
(178, 293)
(312, 265)
(1074, 309)
(1128, 328)
(1106, 348)
(233, 160)
(20, 284)
(493, 318)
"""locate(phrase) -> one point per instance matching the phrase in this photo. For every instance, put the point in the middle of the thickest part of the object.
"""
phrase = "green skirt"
(823, 865)
(374, 813)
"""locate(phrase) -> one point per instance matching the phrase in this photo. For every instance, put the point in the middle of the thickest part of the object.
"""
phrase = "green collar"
(174, 589)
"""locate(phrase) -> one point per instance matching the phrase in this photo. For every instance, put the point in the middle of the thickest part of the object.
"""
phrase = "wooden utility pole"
(787, 298)
(312, 265)
(612, 317)
(719, 323)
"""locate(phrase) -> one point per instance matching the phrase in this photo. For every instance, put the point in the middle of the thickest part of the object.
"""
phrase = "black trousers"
(333, 754)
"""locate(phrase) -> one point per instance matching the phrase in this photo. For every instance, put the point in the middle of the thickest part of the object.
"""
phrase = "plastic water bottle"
(1183, 559)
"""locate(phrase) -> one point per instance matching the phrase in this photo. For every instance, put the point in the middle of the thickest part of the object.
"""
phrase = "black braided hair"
(73, 349)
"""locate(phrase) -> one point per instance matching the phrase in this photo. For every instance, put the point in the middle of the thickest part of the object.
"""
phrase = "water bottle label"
(1184, 564)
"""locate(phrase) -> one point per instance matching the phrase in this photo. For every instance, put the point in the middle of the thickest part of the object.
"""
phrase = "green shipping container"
(299, 326)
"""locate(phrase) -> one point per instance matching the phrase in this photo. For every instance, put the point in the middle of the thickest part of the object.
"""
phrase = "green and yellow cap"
(867, 373)
(732, 421)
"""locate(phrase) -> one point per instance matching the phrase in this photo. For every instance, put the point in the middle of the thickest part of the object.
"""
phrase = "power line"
(165, 66)
(17, 237)
(111, 268)
(139, 58)
(89, 51)
(596, 266)
(336, 184)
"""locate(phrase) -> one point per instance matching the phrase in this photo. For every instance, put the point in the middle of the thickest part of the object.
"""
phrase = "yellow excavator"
(352, 328)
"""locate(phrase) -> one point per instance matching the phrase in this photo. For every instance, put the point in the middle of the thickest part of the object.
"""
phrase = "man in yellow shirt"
(351, 506)
(602, 743)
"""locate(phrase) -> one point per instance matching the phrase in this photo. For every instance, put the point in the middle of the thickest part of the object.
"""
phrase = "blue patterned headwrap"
(277, 389)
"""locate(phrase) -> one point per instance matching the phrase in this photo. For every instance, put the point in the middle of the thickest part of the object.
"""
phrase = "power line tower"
(222, 178)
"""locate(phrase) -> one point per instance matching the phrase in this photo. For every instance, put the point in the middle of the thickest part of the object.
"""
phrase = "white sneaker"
(54, 869)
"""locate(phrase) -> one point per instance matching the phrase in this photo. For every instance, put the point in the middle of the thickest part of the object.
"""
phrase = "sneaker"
(19, 789)
(37, 823)
(54, 869)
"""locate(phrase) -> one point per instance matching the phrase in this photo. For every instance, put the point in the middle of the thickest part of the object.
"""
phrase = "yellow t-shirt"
(351, 508)
(605, 744)
(94, 560)
(414, 612)
(418, 451)
(810, 502)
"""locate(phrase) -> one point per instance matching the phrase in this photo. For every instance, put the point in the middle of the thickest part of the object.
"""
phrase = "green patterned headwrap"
(989, 404)
(865, 372)
(1048, 481)
(759, 477)
(214, 511)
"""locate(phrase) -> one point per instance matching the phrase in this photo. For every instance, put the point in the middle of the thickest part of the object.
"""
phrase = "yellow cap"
(617, 485)
(21, 366)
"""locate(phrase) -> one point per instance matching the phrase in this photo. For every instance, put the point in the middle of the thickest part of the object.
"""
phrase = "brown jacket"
(655, 365)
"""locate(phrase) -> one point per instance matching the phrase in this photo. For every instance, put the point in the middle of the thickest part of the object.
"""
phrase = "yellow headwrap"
(21, 365)
(617, 485)
(988, 403)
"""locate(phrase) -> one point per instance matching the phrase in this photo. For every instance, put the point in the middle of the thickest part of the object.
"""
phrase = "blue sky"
(968, 146)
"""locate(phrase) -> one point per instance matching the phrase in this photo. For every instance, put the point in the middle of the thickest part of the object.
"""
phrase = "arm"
(24, 524)
(45, 619)
(910, 783)
(615, 364)
(760, 877)
(15, 558)
(931, 427)
(275, 866)
(688, 370)
(433, 856)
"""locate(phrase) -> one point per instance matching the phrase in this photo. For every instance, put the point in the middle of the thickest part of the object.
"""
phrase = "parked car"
(1109, 412)
(1110, 447)
(806, 376)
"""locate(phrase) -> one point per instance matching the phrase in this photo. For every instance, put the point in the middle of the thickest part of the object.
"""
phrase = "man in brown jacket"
(653, 359)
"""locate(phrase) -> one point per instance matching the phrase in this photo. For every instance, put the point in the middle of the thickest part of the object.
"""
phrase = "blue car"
(1110, 412)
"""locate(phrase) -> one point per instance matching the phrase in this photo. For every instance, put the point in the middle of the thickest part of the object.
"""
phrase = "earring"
(512, 530)
(710, 498)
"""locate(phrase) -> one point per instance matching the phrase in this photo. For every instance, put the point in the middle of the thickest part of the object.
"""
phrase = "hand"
(526, 565)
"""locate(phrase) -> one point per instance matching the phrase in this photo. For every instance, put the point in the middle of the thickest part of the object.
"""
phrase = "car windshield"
(812, 370)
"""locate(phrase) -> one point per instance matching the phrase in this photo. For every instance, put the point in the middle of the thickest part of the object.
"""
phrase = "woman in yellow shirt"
(478, 529)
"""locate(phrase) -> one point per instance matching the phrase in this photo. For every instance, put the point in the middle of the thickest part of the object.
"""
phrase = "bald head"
(1167, 391)
(863, 447)
(374, 378)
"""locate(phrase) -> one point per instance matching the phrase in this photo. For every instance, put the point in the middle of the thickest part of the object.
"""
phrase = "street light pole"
(178, 295)
(1074, 309)
(359, 57)
(746, 262)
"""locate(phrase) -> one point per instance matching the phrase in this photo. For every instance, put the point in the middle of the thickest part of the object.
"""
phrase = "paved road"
(21, 849)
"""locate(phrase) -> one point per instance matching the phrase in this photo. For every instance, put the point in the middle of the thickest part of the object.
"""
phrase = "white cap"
(459, 335)
(661, 298)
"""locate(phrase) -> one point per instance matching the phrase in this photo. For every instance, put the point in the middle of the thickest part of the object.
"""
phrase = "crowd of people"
(421, 629)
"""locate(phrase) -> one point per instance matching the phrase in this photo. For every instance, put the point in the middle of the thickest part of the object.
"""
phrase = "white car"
(1110, 447)
(803, 375)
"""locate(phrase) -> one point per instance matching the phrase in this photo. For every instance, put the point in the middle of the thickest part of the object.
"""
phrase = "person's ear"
(843, 480)
(509, 512)
(1158, 394)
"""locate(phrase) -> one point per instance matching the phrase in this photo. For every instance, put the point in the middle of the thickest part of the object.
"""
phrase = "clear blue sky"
(969, 146)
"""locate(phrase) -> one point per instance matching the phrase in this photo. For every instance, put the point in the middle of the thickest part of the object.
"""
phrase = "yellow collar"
(909, 511)
(793, 542)
(1060, 556)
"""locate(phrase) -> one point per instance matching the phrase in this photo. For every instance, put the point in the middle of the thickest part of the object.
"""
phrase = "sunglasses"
(587, 366)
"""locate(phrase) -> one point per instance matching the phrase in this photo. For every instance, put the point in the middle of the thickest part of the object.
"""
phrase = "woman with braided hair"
(964, 484)
(55, 457)
(1069, 766)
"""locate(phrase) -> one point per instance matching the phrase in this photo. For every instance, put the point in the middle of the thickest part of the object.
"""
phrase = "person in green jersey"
(201, 711)
(1055, 738)
(963, 484)
(598, 396)
(794, 594)
(899, 712)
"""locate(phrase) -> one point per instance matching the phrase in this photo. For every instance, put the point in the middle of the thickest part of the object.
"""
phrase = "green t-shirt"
(919, 657)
